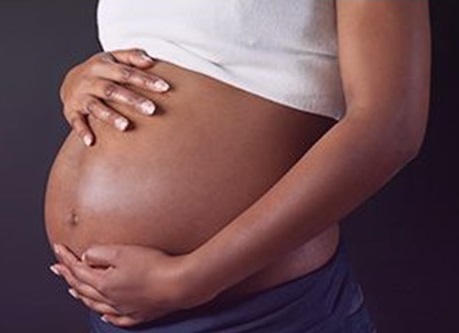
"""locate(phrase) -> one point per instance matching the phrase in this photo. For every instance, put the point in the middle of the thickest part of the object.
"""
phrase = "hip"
(326, 300)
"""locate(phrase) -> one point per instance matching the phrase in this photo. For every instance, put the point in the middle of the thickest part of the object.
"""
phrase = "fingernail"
(73, 293)
(104, 319)
(121, 123)
(54, 270)
(160, 86)
(148, 107)
(56, 249)
(87, 139)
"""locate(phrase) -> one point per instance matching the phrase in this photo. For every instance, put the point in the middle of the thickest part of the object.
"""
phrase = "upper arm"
(384, 57)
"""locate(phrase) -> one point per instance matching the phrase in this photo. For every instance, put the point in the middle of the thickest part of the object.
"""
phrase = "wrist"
(197, 287)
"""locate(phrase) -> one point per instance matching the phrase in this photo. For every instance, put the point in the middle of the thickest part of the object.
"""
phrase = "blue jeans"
(358, 322)
(326, 300)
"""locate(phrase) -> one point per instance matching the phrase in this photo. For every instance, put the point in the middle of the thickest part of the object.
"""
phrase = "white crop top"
(282, 50)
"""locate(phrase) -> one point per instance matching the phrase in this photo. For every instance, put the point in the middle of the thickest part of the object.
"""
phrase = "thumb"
(102, 256)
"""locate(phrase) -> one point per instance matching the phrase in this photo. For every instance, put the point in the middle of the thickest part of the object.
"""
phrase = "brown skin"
(384, 49)
(175, 179)
(103, 78)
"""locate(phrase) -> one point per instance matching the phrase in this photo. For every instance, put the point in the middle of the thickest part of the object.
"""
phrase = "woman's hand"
(103, 78)
(128, 284)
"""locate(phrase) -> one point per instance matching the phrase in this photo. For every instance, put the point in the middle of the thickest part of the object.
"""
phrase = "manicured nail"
(159, 86)
(56, 249)
(104, 319)
(148, 107)
(121, 123)
(54, 270)
(73, 293)
(87, 139)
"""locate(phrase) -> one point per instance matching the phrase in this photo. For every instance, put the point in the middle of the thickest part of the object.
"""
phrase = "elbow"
(410, 151)
(414, 133)
(401, 142)
(412, 124)
(405, 128)
(408, 143)
(397, 155)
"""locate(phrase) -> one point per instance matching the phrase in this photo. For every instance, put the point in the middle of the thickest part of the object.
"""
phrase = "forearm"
(344, 168)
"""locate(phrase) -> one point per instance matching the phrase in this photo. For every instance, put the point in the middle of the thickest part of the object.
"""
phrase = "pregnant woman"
(253, 129)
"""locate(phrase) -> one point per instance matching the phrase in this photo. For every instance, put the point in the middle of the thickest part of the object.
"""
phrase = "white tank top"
(282, 50)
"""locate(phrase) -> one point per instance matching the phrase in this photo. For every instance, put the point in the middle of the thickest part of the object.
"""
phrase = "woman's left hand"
(127, 284)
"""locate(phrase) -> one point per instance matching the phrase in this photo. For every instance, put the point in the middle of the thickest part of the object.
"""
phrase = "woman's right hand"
(103, 78)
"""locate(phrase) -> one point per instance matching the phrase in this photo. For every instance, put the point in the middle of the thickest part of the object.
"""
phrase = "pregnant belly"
(176, 178)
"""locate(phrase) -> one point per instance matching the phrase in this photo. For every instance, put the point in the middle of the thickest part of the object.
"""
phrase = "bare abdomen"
(179, 176)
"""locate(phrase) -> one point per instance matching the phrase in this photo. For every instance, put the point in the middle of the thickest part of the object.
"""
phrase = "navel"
(72, 218)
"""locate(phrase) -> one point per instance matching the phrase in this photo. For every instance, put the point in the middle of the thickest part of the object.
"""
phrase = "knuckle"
(126, 73)
(110, 90)
(91, 71)
(148, 81)
(104, 114)
(105, 57)
(127, 96)
(134, 99)
(91, 106)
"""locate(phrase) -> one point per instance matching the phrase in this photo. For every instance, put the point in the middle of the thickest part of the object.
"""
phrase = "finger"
(81, 272)
(122, 321)
(106, 114)
(78, 287)
(99, 307)
(78, 122)
(130, 75)
(110, 91)
(134, 57)
(64, 254)
(102, 255)
(83, 278)
(126, 74)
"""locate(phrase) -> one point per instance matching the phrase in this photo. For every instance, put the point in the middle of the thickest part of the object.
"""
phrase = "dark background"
(403, 243)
